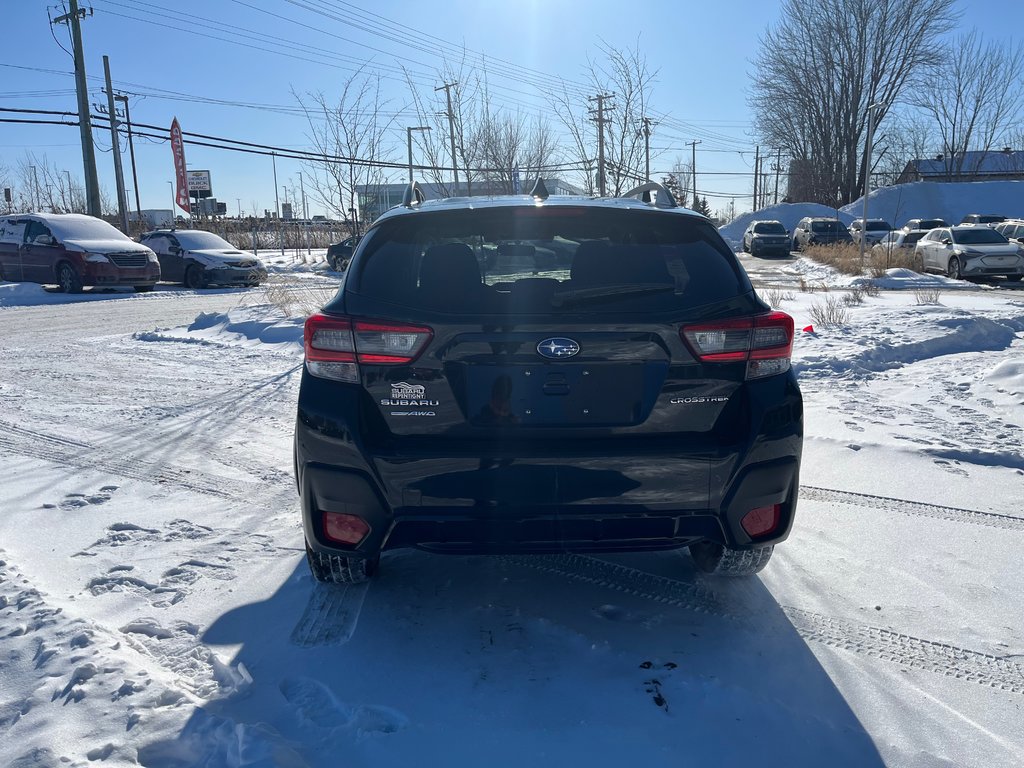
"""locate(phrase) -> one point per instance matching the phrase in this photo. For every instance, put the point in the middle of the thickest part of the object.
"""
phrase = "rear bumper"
(541, 496)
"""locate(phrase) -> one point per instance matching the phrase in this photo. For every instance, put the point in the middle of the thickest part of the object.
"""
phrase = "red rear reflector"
(345, 529)
(761, 520)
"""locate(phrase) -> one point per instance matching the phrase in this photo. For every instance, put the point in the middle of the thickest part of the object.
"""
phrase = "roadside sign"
(199, 181)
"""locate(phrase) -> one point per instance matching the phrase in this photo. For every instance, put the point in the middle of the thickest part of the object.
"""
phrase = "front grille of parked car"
(240, 264)
(128, 259)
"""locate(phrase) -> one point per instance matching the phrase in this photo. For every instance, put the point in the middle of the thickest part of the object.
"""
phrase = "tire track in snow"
(913, 508)
(39, 445)
(908, 651)
(621, 578)
(863, 639)
(331, 615)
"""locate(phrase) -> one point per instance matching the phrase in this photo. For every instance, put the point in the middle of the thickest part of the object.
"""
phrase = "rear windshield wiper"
(608, 291)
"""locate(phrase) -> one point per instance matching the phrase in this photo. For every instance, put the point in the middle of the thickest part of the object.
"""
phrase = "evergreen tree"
(671, 183)
(700, 205)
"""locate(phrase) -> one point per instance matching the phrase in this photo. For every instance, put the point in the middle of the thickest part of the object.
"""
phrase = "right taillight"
(765, 342)
(335, 346)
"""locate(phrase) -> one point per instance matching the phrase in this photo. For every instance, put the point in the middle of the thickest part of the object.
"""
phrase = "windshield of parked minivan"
(84, 229)
(770, 228)
(547, 260)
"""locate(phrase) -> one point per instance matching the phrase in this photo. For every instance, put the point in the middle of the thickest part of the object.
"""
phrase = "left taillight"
(335, 346)
(764, 342)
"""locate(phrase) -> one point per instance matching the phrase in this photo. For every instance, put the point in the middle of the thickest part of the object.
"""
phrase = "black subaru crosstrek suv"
(546, 374)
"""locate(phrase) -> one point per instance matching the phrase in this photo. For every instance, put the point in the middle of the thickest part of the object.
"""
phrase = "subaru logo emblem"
(558, 348)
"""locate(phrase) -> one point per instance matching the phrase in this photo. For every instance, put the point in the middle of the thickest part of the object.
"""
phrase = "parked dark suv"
(617, 386)
(812, 230)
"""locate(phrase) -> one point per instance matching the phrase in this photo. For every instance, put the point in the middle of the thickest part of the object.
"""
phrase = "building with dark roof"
(994, 165)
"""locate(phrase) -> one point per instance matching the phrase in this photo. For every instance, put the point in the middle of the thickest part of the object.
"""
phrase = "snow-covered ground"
(155, 608)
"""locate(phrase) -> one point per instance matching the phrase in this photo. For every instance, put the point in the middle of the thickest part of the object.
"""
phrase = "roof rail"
(540, 190)
(414, 195)
(664, 198)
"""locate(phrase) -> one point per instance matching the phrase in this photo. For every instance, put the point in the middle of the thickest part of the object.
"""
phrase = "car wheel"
(710, 557)
(68, 279)
(796, 245)
(143, 288)
(195, 277)
(340, 569)
(953, 269)
(746, 248)
(1009, 278)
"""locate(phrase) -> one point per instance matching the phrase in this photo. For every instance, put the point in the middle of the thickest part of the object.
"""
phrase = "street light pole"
(174, 202)
(867, 177)
(408, 133)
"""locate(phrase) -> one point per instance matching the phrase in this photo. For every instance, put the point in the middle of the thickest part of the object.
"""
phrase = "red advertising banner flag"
(178, 150)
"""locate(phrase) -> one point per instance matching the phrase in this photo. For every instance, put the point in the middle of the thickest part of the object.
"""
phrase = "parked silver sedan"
(971, 253)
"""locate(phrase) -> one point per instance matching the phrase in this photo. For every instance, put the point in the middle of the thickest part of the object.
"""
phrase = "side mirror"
(946, 241)
(43, 240)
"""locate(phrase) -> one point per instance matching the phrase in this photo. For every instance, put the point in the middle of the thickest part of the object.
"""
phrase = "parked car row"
(73, 251)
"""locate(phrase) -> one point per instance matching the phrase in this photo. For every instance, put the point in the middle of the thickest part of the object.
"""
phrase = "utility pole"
(447, 88)
(277, 203)
(778, 169)
(693, 168)
(601, 120)
(123, 98)
(757, 170)
(115, 144)
(647, 148)
(92, 184)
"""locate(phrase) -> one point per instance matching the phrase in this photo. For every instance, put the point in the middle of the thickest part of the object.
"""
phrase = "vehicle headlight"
(100, 258)
(152, 257)
(968, 253)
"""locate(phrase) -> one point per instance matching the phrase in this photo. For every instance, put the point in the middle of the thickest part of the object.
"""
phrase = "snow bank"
(242, 326)
(949, 201)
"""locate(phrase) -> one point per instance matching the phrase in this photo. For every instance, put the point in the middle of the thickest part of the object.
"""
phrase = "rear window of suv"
(547, 260)
(826, 226)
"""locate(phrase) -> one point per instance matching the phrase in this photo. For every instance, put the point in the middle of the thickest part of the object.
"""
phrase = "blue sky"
(176, 57)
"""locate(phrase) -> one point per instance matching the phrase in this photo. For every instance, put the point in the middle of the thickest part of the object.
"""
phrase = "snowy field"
(155, 608)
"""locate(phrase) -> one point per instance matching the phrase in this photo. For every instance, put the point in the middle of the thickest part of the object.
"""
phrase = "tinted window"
(826, 226)
(930, 223)
(912, 237)
(878, 226)
(989, 219)
(977, 236)
(547, 260)
(769, 228)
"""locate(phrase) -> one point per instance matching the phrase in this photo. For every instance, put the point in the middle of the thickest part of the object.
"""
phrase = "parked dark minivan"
(73, 250)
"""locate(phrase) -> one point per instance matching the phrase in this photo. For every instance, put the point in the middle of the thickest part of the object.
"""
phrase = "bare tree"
(350, 135)
(975, 98)
(625, 74)
(906, 136)
(821, 67)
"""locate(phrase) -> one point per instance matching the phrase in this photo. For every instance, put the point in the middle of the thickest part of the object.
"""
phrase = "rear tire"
(143, 288)
(340, 569)
(1009, 278)
(68, 279)
(710, 557)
